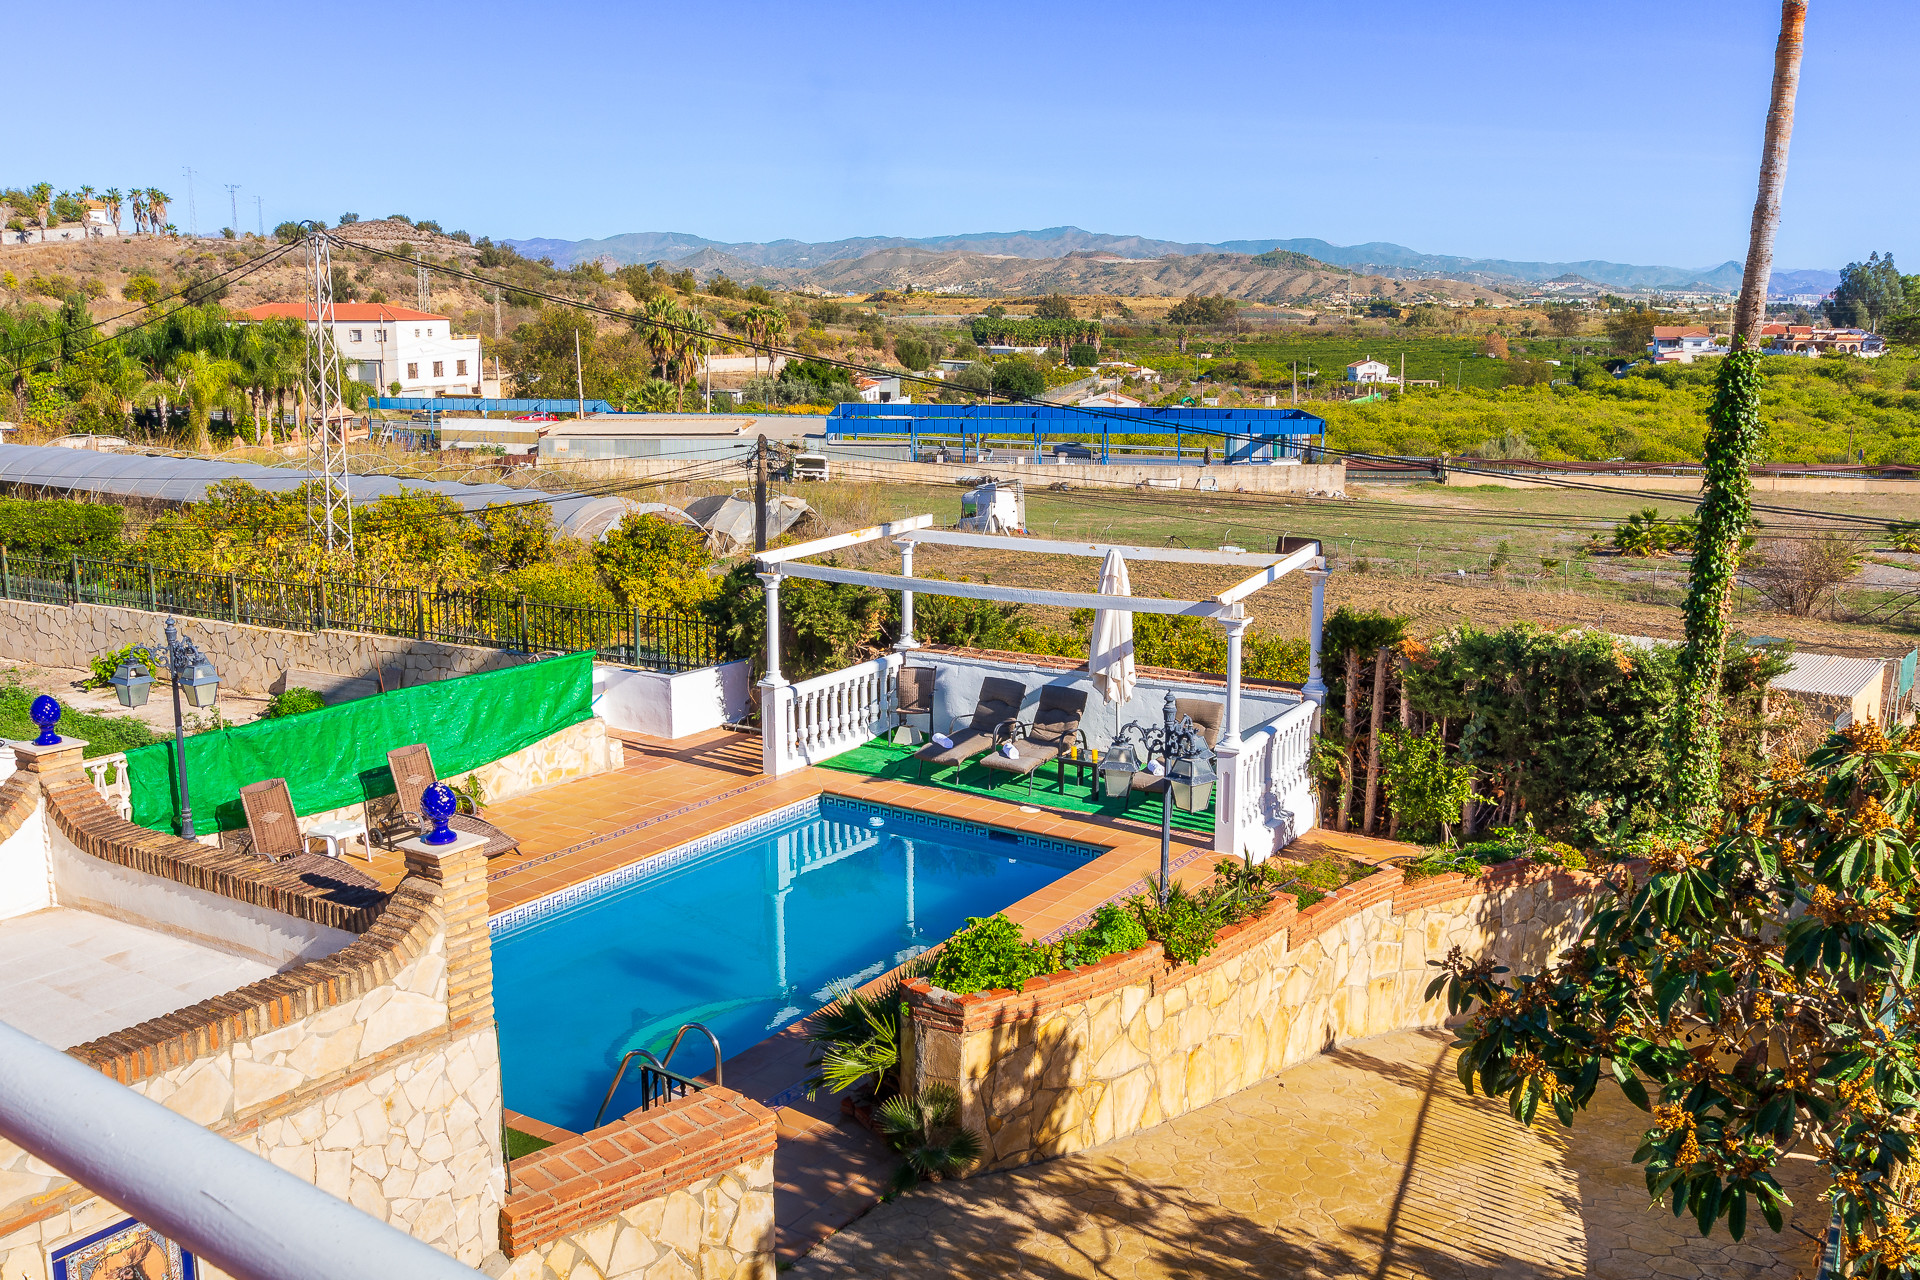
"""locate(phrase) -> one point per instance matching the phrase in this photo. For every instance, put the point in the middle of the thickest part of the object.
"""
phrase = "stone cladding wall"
(684, 1189)
(372, 1072)
(248, 658)
(1093, 1054)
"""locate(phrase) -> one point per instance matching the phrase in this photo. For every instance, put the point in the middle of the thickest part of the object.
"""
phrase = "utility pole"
(193, 209)
(1403, 373)
(259, 217)
(496, 313)
(233, 206)
(579, 381)
(1296, 382)
(760, 495)
(420, 284)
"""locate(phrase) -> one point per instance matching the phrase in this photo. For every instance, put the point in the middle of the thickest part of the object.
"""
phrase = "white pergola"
(843, 708)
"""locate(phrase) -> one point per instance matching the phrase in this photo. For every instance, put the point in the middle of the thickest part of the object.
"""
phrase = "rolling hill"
(1377, 258)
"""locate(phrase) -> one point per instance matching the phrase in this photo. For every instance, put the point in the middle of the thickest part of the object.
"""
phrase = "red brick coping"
(979, 1011)
(588, 1178)
(394, 929)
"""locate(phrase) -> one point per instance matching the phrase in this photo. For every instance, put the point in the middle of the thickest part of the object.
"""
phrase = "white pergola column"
(776, 695)
(1315, 689)
(1228, 837)
(907, 640)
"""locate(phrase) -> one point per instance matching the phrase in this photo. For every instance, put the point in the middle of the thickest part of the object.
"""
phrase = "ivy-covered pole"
(1734, 433)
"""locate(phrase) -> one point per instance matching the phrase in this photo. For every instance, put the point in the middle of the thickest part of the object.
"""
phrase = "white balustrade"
(108, 774)
(1271, 797)
(837, 712)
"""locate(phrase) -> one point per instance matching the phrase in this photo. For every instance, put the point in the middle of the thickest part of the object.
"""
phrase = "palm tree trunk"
(1734, 433)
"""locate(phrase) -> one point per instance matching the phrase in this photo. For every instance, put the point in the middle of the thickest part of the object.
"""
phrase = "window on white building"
(439, 368)
(379, 335)
(416, 333)
(413, 371)
(460, 368)
(353, 335)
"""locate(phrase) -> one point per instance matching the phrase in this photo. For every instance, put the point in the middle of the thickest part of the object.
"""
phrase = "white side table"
(338, 831)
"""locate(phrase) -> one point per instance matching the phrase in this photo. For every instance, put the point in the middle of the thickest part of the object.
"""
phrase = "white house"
(1369, 370)
(1110, 400)
(382, 345)
(880, 391)
(1673, 344)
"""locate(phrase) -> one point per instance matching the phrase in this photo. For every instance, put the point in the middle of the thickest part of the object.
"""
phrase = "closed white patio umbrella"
(1110, 654)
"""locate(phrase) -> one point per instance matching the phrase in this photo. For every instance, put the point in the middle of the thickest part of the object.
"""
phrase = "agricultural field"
(1442, 556)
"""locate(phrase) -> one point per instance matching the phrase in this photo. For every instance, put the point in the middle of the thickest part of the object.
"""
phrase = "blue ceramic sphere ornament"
(45, 712)
(438, 803)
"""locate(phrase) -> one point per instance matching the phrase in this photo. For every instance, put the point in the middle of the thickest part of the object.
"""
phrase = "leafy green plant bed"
(1504, 844)
(1311, 879)
(103, 735)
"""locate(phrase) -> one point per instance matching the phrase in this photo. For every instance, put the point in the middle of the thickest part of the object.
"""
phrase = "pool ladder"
(657, 1083)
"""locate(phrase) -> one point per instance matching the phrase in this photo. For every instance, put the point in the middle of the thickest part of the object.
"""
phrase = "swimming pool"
(745, 930)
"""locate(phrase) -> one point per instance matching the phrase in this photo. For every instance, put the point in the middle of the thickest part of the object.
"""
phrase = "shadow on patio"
(1368, 1161)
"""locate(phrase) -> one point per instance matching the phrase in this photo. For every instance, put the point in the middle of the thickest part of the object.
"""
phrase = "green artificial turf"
(882, 759)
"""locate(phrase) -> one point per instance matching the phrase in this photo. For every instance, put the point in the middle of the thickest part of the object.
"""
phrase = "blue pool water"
(745, 931)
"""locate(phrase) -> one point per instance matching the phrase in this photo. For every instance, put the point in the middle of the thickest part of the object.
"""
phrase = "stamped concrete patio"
(1369, 1161)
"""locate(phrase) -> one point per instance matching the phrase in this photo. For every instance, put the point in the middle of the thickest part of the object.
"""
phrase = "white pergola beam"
(1097, 550)
(819, 546)
(1271, 574)
(1019, 595)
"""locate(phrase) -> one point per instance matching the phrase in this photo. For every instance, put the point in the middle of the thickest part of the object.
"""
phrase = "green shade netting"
(880, 758)
(338, 756)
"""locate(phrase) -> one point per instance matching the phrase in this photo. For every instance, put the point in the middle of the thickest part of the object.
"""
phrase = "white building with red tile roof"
(382, 345)
(1679, 344)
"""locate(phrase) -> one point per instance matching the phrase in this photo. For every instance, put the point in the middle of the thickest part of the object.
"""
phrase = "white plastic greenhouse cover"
(133, 475)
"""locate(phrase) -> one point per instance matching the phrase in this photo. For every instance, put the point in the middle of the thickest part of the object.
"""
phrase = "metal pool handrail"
(658, 1067)
(712, 1039)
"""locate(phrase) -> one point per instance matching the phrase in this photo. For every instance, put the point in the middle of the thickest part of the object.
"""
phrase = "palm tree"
(206, 383)
(659, 321)
(693, 343)
(1734, 433)
(41, 193)
(113, 198)
(157, 208)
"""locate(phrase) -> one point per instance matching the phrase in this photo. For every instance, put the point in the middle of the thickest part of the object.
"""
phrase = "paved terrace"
(1369, 1161)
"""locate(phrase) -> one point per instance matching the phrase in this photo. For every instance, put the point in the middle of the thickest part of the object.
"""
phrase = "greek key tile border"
(977, 830)
(521, 916)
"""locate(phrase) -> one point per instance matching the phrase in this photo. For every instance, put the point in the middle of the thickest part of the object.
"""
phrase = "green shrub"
(1112, 932)
(987, 954)
(293, 702)
(1423, 788)
(104, 665)
(60, 527)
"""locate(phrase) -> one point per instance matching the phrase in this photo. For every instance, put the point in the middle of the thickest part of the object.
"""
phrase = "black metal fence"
(488, 619)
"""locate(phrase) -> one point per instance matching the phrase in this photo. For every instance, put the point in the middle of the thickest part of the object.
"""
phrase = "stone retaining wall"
(372, 1072)
(1090, 1055)
(248, 658)
(684, 1189)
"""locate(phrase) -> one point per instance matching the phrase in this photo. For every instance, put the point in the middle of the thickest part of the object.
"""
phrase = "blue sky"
(1557, 131)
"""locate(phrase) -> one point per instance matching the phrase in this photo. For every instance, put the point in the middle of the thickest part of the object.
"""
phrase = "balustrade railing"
(840, 710)
(1272, 798)
(108, 774)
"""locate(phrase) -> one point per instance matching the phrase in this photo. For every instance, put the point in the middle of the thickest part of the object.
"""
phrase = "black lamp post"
(1186, 781)
(190, 672)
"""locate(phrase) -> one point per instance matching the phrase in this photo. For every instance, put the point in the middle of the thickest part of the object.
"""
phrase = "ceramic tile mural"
(128, 1250)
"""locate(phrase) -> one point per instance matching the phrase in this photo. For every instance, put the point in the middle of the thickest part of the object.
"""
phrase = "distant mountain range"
(786, 260)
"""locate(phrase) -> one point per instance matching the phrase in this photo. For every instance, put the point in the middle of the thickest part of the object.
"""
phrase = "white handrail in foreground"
(243, 1214)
